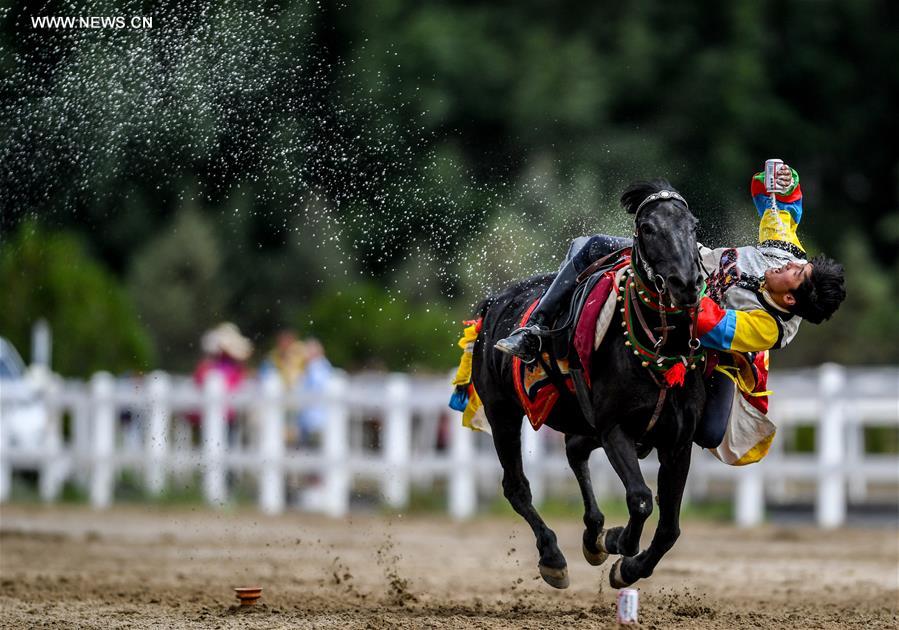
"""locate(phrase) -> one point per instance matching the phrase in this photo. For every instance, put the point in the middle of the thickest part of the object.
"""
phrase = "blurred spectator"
(226, 351)
(288, 357)
(315, 379)
(311, 420)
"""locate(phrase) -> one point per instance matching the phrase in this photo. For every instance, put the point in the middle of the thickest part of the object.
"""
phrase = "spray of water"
(270, 116)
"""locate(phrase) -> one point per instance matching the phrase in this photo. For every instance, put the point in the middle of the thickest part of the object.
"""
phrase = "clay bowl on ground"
(248, 595)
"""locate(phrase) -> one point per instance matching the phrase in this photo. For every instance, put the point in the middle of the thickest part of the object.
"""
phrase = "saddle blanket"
(537, 391)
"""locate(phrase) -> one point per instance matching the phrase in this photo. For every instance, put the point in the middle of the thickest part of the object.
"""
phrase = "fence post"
(463, 498)
(157, 437)
(831, 504)
(336, 462)
(214, 432)
(776, 485)
(531, 447)
(749, 497)
(5, 466)
(397, 441)
(41, 343)
(855, 458)
(103, 439)
(271, 444)
(82, 445)
(53, 468)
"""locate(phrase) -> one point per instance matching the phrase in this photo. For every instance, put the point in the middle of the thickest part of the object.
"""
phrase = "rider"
(759, 293)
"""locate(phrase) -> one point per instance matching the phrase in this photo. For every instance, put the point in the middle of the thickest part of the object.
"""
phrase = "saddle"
(562, 366)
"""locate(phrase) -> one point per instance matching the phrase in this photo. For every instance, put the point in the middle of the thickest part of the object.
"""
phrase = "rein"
(653, 359)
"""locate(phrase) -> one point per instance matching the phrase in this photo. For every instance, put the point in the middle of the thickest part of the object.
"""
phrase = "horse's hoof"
(598, 558)
(557, 578)
(601, 542)
(616, 579)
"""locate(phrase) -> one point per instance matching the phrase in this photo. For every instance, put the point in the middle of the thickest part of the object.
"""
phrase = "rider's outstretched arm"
(783, 225)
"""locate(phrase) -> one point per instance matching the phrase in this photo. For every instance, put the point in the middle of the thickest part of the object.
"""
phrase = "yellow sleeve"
(755, 331)
(780, 224)
(779, 227)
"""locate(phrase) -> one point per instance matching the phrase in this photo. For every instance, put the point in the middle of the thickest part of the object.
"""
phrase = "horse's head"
(665, 252)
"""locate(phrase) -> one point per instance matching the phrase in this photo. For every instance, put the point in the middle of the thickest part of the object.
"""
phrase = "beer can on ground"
(771, 167)
(628, 602)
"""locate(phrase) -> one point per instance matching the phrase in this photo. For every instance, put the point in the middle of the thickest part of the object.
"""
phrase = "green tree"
(177, 286)
(50, 275)
(859, 331)
(360, 325)
(428, 127)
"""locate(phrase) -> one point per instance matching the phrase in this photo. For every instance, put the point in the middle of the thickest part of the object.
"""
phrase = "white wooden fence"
(420, 440)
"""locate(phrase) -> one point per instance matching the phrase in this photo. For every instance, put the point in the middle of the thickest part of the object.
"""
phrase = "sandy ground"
(149, 568)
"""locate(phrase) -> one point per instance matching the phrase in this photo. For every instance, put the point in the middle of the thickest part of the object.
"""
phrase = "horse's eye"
(647, 229)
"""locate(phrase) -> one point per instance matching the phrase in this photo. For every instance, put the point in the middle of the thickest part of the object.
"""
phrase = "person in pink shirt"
(226, 351)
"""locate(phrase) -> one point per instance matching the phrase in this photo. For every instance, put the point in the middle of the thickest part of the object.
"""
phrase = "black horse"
(628, 394)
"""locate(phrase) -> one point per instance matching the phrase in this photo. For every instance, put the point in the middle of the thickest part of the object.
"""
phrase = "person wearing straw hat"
(226, 351)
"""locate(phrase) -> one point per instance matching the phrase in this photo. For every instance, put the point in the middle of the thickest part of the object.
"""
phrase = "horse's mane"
(634, 194)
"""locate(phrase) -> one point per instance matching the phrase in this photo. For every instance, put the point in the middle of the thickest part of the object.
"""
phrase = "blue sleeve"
(722, 335)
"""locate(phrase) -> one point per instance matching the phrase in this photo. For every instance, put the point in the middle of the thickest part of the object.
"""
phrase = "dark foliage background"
(365, 172)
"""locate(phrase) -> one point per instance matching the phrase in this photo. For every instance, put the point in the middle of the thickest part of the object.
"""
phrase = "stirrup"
(534, 330)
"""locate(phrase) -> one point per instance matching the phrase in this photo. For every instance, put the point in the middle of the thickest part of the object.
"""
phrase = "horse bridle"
(639, 261)
(657, 281)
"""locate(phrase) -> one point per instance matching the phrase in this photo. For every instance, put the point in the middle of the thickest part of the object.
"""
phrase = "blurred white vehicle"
(23, 415)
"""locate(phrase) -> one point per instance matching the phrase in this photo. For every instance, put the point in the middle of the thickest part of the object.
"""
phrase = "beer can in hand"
(628, 602)
(772, 166)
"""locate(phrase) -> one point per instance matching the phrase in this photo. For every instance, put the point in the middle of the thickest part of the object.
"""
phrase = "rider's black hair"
(820, 295)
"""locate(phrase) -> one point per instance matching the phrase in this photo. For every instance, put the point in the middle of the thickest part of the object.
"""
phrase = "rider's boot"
(524, 342)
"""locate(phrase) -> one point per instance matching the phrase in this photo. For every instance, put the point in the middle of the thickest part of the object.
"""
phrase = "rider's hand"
(784, 177)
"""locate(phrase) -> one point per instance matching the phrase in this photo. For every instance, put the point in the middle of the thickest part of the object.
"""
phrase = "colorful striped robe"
(740, 321)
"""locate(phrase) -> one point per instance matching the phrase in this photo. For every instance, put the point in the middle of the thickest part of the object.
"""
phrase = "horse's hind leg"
(622, 454)
(578, 449)
(672, 480)
(506, 426)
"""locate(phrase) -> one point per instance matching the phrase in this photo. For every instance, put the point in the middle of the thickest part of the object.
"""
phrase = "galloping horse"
(633, 407)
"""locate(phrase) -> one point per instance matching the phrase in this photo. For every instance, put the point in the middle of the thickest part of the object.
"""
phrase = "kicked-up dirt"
(64, 567)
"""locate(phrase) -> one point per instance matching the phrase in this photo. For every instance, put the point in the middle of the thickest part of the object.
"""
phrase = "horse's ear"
(634, 194)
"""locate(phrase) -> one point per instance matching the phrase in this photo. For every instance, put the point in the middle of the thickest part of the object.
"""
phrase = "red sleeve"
(709, 316)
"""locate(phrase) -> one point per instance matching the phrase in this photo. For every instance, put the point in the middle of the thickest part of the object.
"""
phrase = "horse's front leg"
(672, 480)
(578, 449)
(622, 454)
(506, 426)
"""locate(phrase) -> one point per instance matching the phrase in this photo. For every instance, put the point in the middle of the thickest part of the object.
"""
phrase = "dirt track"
(71, 567)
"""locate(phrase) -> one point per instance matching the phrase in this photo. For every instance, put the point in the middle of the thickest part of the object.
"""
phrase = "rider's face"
(781, 282)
